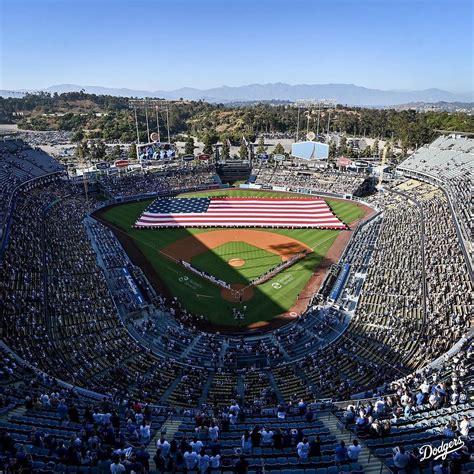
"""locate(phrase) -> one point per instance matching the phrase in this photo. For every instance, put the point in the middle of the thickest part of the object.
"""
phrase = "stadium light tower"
(156, 105)
(313, 107)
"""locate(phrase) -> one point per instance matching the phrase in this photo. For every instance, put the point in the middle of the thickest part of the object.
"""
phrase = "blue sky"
(145, 44)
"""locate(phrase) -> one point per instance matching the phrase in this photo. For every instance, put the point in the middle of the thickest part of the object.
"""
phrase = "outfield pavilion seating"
(319, 180)
(158, 182)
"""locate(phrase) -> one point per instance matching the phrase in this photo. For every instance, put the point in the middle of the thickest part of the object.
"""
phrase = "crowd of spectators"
(20, 163)
(436, 397)
(69, 301)
(155, 182)
(321, 180)
(448, 162)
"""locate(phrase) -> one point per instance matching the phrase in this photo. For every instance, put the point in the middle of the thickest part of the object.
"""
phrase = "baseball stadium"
(236, 237)
(294, 321)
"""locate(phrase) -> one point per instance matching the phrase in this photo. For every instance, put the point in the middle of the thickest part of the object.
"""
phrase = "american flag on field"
(239, 212)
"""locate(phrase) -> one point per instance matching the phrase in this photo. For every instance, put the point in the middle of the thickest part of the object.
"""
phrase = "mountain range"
(348, 94)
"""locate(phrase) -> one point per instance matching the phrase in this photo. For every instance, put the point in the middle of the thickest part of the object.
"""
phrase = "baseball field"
(236, 256)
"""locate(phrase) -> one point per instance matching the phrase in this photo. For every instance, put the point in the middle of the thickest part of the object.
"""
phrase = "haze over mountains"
(348, 94)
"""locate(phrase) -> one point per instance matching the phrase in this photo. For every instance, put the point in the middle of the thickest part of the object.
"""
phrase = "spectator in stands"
(145, 432)
(203, 461)
(267, 437)
(400, 459)
(190, 459)
(163, 445)
(340, 453)
(213, 432)
(302, 449)
(353, 451)
(160, 461)
(241, 466)
(414, 463)
(442, 468)
(196, 445)
(315, 447)
(246, 442)
(215, 461)
(256, 437)
(278, 439)
(465, 426)
(117, 467)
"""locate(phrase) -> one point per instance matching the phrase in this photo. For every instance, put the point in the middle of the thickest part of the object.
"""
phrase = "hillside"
(110, 118)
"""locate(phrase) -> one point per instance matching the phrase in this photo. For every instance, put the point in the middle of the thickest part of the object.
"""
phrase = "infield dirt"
(187, 248)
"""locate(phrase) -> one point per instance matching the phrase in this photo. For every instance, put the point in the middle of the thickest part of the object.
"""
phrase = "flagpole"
(136, 125)
(298, 124)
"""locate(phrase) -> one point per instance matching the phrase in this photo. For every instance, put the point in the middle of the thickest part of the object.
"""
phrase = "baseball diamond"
(280, 297)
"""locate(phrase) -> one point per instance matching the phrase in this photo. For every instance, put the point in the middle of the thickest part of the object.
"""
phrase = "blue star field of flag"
(179, 206)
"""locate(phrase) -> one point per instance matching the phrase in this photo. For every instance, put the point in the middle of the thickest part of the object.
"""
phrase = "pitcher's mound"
(235, 296)
(236, 262)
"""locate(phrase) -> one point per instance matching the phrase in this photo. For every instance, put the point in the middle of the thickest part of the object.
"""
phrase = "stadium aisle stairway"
(205, 391)
(168, 428)
(368, 461)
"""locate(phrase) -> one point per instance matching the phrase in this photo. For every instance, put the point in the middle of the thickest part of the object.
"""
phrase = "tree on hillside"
(375, 148)
(225, 150)
(343, 146)
(388, 150)
(189, 146)
(243, 152)
(208, 141)
(116, 152)
(279, 149)
(132, 152)
(352, 153)
(98, 150)
(77, 136)
(261, 145)
(80, 152)
(404, 152)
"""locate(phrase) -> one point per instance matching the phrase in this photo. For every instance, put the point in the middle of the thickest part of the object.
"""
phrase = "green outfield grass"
(202, 297)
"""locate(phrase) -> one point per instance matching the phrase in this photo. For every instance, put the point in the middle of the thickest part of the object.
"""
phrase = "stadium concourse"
(96, 379)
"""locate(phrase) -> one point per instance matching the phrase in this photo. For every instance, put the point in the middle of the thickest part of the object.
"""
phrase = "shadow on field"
(260, 308)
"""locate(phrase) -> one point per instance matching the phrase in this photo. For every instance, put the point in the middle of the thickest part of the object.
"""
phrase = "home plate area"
(237, 260)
